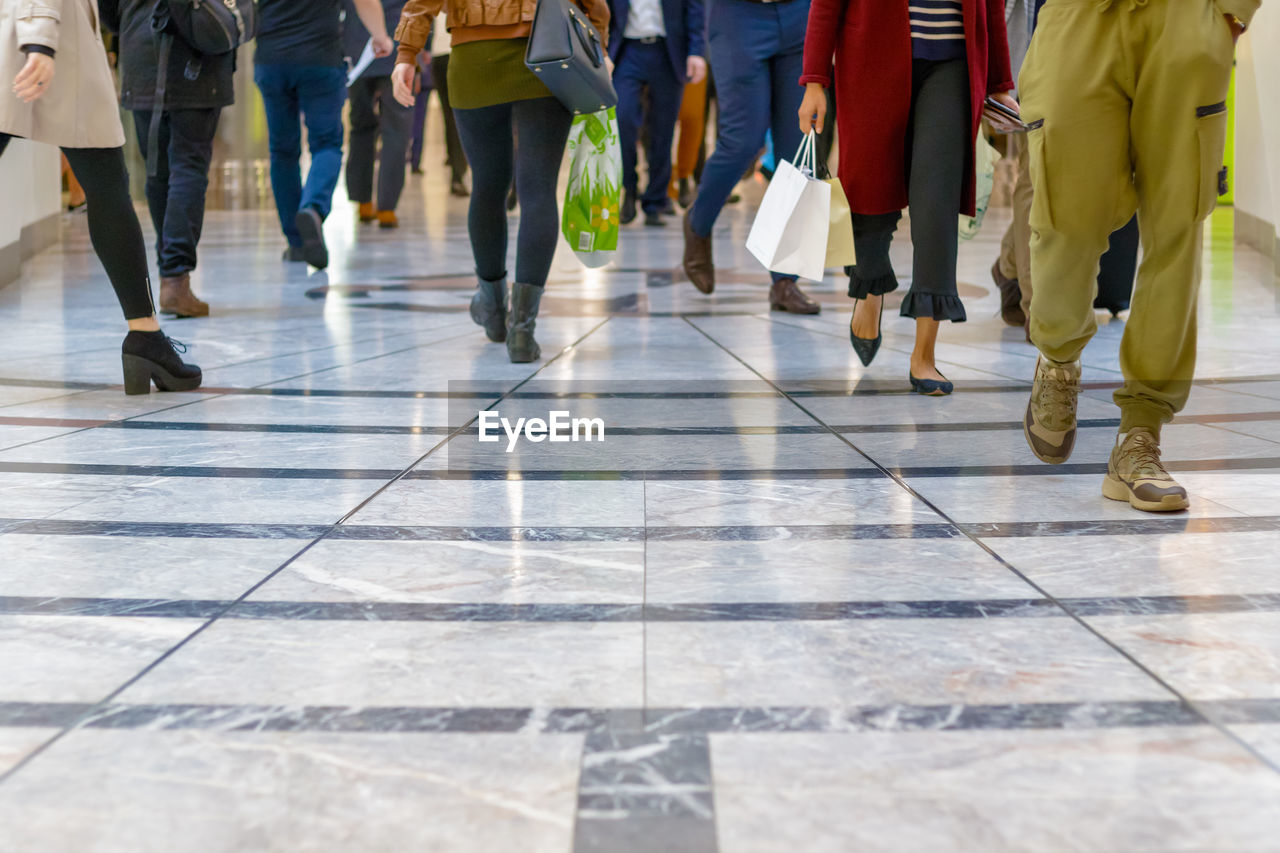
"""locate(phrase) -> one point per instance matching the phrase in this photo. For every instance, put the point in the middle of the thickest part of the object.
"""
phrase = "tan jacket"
(80, 110)
(478, 20)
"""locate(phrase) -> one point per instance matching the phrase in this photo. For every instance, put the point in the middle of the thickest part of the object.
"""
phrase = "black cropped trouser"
(113, 224)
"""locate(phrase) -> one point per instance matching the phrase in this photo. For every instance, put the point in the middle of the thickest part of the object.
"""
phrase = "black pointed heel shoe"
(153, 357)
(931, 387)
(866, 348)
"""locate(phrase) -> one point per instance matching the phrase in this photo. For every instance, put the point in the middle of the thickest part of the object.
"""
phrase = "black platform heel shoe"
(931, 387)
(489, 308)
(153, 357)
(521, 347)
(866, 348)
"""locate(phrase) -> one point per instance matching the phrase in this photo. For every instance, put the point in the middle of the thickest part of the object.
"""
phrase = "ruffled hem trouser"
(937, 146)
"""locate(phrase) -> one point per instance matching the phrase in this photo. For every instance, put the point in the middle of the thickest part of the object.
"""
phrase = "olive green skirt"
(486, 73)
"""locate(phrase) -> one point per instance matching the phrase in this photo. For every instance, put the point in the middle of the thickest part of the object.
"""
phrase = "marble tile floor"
(784, 606)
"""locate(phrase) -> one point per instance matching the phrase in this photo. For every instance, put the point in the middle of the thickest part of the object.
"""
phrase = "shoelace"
(178, 346)
(1145, 455)
(1057, 391)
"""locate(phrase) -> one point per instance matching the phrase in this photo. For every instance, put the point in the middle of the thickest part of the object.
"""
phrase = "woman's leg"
(938, 151)
(486, 137)
(543, 125)
(114, 230)
(873, 276)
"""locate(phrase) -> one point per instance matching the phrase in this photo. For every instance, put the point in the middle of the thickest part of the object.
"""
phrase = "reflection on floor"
(785, 606)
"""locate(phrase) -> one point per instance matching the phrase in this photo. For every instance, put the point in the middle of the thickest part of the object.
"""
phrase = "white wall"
(30, 193)
(1257, 160)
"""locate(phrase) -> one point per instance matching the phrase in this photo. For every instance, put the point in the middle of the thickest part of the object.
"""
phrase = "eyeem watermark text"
(558, 426)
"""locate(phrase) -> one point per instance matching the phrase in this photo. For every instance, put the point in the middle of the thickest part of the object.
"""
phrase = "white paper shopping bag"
(790, 232)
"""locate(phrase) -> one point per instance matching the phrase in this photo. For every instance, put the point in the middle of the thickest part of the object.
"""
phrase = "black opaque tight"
(113, 224)
(488, 139)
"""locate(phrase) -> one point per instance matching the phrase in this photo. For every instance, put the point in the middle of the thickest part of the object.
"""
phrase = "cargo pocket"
(1211, 133)
(1042, 199)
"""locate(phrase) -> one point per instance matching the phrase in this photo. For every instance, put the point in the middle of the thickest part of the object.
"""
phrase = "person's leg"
(1022, 195)
(457, 158)
(665, 92)
(1116, 269)
(486, 138)
(157, 185)
(419, 123)
(1179, 132)
(629, 78)
(543, 125)
(321, 94)
(284, 141)
(362, 145)
(742, 39)
(693, 127)
(393, 125)
(190, 154)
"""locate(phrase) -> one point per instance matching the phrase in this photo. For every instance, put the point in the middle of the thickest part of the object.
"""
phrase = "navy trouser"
(317, 92)
(757, 57)
(176, 193)
(643, 65)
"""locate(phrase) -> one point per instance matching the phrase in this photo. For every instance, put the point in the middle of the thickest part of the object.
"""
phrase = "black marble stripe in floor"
(744, 611)
(655, 721)
(1151, 525)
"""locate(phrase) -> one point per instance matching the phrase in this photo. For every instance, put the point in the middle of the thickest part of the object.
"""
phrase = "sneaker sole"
(1117, 490)
(1064, 449)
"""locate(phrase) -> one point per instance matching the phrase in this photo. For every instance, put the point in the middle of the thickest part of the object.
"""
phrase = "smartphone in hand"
(1005, 112)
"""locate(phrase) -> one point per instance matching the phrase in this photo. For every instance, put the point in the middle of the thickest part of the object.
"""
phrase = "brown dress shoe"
(367, 212)
(1010, 297)
(786, 295)
(176, 297)
(698, 265)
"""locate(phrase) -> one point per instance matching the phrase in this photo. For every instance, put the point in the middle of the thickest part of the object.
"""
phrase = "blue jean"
(757, 56)
(643, 65)
(317, 92)
(176, 193)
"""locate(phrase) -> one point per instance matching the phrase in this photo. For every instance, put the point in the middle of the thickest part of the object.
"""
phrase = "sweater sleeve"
(695, 17)
(415, 28)
(820, 40)
(999, 74)
(38, 21)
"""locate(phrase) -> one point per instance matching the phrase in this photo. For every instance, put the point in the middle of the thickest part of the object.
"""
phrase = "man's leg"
(393, 124)
(628, 81)
(363, 144)
(1022, 195)
(453, 145)
(284, 140)
(157, 185)
(1179, 132)
(665, 92)
(321, 93)
(190, 153)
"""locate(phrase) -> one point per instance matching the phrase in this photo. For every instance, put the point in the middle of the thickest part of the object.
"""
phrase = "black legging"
(113, 224)
(486, 133)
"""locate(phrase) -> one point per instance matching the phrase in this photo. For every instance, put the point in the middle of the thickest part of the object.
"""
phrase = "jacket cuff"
(38, 23)
(1242, 9)
(405, 55)
(43, 49)
(1004, 86)
(412, 37)
(816, 78)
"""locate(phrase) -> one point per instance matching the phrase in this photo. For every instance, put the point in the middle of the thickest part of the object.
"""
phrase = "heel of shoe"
(1113, 489)
(137, 375)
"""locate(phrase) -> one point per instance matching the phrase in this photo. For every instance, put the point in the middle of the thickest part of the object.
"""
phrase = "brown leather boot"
(176, 297)
(786, 295)
(698, 265)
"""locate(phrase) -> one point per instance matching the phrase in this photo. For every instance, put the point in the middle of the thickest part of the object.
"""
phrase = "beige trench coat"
(81, 109)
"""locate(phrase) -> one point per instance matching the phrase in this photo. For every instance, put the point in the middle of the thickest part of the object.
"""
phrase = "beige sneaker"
(1135, 474)
(1050, 422)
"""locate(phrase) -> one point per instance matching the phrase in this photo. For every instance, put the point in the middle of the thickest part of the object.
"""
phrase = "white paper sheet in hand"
(365, 60)
(789, 235)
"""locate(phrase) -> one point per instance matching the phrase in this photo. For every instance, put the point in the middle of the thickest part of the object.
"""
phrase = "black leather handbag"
(566, 53)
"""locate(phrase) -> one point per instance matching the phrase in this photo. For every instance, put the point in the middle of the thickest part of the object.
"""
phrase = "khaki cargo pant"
(1126, 101)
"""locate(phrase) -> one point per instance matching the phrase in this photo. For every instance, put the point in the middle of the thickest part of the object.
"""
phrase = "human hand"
(402, 83)
(1237, 28)
(999, 121)
(34, 78)
(813, 109)
(382, 46)
(696, 69)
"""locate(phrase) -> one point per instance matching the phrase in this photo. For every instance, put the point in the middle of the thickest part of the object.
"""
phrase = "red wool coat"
(871, 43)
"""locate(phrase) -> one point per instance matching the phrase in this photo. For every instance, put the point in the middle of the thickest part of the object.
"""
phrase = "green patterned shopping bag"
(590, 220)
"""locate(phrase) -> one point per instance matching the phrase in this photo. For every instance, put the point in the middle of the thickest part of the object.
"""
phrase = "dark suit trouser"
(375, 115)
(639, 66)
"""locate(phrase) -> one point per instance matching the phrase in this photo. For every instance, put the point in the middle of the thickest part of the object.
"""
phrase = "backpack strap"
(157, 107)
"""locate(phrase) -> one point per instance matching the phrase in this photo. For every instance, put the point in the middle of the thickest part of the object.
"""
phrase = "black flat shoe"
(931, 387)
(153, 357)
(866, 348)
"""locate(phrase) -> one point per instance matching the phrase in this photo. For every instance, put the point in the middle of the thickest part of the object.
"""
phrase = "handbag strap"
(157, 106)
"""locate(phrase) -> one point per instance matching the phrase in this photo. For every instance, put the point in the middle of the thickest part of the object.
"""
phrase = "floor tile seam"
(1255, 436)
(308, 351)
(1132, 659)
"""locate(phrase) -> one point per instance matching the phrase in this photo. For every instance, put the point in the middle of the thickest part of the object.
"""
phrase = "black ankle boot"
(489, 308)
(521, 347)
(153, 356)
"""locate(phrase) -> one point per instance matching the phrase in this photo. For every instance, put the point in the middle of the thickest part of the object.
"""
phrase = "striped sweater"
(937, 29)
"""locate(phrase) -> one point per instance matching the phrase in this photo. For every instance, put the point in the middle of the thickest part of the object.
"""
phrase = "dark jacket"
(139, 57)
(299, 33)
(355, 37)
(684, 20)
